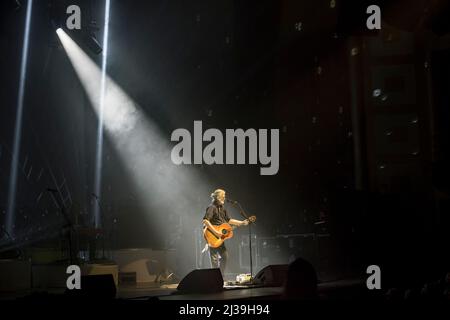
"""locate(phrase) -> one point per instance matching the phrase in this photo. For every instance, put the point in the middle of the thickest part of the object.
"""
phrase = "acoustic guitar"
(225, 229)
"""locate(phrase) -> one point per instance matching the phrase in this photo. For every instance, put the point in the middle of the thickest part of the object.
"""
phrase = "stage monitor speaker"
(99, 286)
(272, 275)
(202, 281)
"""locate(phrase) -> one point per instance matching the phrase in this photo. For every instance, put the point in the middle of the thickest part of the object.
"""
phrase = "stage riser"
(145, 263)
(55, 276)
(15, 275)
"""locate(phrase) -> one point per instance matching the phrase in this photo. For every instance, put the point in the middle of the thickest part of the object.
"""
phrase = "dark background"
(373, 168)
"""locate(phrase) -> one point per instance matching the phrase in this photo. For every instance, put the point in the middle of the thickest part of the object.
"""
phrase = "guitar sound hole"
(224, 231)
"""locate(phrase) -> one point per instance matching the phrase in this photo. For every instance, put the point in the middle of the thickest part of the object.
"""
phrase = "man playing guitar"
(215, 216)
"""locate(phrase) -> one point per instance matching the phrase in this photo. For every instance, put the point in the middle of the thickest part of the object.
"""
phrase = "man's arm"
(208, 224)
(238, 222)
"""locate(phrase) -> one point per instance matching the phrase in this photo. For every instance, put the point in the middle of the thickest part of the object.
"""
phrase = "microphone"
(231, 201)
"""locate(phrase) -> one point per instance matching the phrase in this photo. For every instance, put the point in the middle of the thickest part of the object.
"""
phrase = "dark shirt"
(216, 214)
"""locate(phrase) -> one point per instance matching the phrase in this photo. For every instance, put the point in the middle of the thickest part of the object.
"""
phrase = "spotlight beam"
(142, 147)
(99, 151)
(18, 126)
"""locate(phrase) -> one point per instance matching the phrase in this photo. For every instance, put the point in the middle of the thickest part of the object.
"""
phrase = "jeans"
(219, 257)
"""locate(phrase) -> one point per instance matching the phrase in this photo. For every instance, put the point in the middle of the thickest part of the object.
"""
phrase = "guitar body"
(213, 241)
(225, 229)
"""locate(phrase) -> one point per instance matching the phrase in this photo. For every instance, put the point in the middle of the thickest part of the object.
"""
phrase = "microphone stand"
(242, 212)
(103, 235)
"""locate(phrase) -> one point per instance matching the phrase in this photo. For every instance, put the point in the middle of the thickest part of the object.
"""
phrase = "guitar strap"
(205, 248)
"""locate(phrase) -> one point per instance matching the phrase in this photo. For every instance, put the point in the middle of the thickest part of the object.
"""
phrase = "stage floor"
(231, 292)
(151, 290)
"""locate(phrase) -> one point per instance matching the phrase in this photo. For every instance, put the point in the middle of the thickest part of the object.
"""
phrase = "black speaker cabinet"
(202, 281)
(272, 275)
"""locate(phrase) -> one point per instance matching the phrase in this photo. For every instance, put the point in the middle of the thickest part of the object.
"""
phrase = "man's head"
(218, 196)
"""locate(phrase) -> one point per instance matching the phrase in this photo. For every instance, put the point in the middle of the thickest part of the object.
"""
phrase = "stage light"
(91, 42)
(88, 40)
(18, 5)
(18, 125)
